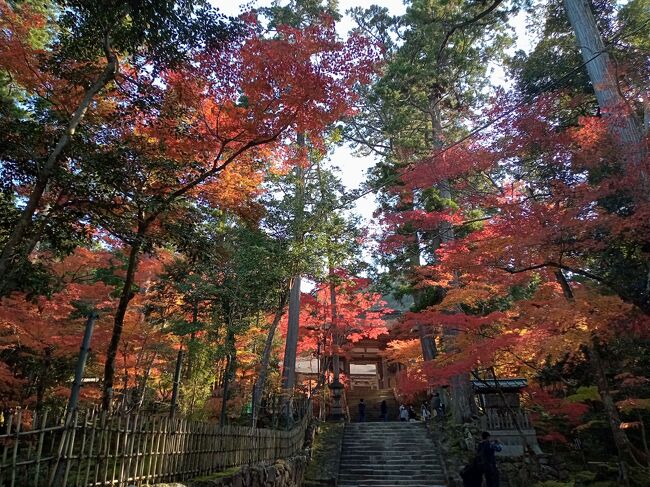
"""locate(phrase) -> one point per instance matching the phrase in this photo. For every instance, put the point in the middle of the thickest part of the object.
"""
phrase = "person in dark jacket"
(436, 404)
(362, 411)
(486, 459)
(383, 409)
(472, 475)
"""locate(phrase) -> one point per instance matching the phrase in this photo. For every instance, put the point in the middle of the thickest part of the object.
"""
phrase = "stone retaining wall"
(282, 473)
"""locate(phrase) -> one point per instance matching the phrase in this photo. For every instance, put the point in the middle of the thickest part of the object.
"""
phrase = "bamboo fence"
(498, 419)
(96, 449)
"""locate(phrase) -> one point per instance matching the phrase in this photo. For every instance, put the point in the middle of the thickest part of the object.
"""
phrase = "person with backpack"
(486, 461)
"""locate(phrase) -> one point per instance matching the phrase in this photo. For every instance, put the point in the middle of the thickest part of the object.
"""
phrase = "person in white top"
(425, 413)
(403, 413)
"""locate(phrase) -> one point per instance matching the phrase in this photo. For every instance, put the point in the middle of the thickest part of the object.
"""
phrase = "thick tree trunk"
(291, 345)
(461, 397)
(336, 337)
(118, 323)
(258, 389)
(21, 230)
(602, 73)
(427, 342)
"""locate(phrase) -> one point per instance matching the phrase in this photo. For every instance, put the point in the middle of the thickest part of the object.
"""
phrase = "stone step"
(390, 442)
(381, 460)
(376, 463)
(414, 484)
(391, 483)
(396, 455)
(421, 479)
(393, 468)
(389, 454)
(375, 472)
(393, 479)
(395, 442)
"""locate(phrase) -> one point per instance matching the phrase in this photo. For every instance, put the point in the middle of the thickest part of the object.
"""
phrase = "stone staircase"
(372, 398)
(389, 454)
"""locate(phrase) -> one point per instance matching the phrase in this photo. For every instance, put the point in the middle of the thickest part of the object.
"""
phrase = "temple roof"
(491, 385)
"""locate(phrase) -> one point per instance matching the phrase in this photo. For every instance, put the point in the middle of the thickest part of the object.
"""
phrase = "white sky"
(353, 169)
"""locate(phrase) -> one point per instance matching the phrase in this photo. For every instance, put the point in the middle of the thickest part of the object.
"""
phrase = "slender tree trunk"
(177, 383)
(621, 440)
(258, 389)
(190, 344)
(145, 379)
(227, 376)
(291, 346)
(602, 73)
(623, 446)
(41, 380)
(21, 230)
(118, 324)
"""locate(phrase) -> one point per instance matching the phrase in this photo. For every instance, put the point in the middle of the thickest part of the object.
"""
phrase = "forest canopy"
(169, 177)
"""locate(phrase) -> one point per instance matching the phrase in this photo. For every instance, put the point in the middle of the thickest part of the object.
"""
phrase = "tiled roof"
(484, 385)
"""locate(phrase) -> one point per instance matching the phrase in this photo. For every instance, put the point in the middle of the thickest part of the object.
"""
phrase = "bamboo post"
(39, 448)
(58, 469)
(14, 456)
(132, 450)
(125, 444)
(70, 446)
(141, 450)
(151, 454)
(5, 450)
(82, 448)
(106, 452)
(116, 452)
(93, 430)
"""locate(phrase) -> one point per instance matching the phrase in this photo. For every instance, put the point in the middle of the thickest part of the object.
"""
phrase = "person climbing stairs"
(373, 399)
